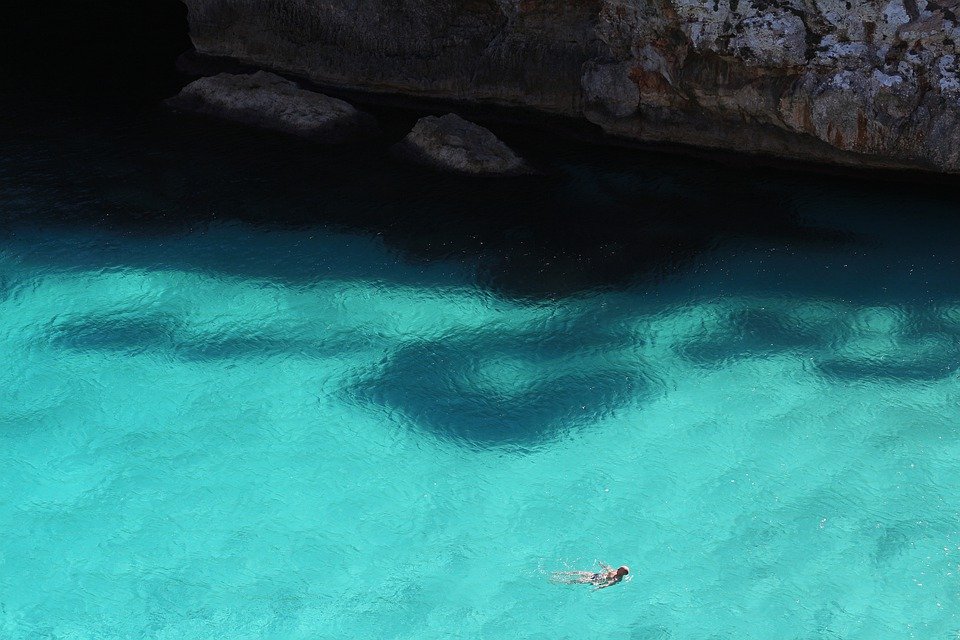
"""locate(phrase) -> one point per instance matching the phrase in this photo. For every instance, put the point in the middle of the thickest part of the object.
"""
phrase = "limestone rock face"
(268, 101)
(451, 143)
(869, 83)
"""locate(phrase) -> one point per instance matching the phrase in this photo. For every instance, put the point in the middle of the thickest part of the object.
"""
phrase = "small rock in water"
(268, 101)
(453, 144)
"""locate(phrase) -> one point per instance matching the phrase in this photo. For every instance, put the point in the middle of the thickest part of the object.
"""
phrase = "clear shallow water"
(257, 389)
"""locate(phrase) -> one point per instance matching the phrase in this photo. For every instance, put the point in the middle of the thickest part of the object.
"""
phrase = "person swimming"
(601, 579)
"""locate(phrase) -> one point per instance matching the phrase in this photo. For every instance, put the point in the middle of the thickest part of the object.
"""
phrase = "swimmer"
(601, 580)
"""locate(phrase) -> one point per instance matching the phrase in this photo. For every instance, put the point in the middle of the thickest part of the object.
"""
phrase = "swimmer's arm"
(604, 566)
(604, 585)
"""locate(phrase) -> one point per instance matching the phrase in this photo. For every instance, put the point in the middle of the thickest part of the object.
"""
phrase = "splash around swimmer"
(607, 577)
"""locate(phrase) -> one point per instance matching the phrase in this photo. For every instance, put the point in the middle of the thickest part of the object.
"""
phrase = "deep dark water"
(600, 216)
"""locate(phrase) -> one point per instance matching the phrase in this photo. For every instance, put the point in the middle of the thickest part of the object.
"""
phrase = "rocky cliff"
(872, 83)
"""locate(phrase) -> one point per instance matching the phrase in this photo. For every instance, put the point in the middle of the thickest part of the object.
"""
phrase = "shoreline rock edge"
(872, 84)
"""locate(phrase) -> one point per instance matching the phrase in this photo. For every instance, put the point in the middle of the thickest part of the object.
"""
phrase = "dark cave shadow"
(88, 50)
(600, 218)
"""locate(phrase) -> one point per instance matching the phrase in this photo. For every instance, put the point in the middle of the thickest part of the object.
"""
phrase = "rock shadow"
(878, 369)
(751, 332)
(926, 348)
(162, 333)
(117, 332)
(226, 346)
(489, 388)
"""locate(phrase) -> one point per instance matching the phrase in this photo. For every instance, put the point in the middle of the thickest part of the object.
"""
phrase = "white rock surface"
(451, 143)
(268, 101)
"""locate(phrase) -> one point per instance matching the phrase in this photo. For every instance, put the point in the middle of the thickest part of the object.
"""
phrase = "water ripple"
(256, 389)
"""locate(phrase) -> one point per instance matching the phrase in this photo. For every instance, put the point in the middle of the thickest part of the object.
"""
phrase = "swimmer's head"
(622, 571)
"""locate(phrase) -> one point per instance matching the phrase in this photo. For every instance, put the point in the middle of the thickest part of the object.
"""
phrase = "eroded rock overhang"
(870, 83)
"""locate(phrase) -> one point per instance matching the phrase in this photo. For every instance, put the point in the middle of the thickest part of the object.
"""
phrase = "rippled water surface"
(254, 388)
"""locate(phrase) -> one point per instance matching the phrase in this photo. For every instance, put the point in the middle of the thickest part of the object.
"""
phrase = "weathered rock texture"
(451, 143)
(864, 82)
(268, 101)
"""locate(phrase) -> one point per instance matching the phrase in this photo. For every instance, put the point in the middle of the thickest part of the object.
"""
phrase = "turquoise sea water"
(257, 389)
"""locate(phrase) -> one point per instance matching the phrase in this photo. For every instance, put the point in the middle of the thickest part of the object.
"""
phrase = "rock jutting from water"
(868, 83)
(268, 101)
(451, 143)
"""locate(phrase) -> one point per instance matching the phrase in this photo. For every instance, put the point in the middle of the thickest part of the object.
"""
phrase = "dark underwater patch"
(436, 384)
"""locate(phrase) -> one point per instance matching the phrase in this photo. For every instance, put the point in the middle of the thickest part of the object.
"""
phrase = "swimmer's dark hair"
(623, 570)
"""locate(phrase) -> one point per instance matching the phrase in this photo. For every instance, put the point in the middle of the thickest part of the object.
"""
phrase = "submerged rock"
(268, 101)
(453, 144)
